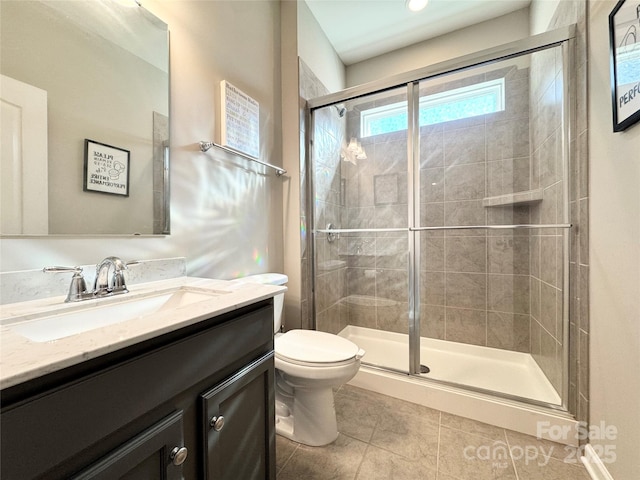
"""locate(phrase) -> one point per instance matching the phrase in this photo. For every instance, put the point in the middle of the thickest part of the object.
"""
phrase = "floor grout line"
(361, 462)
(513, 462)
(288, 459)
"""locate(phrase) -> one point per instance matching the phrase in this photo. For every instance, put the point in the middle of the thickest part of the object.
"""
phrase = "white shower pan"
(481, 368)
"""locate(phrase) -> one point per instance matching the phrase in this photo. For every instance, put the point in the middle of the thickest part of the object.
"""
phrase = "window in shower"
(452, 104)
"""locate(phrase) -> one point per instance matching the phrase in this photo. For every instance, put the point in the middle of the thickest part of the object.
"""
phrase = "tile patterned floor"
(382, 438)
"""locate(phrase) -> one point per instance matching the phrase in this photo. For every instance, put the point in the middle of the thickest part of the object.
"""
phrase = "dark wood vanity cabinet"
(205, 391)
(154, 454)
(237, 440)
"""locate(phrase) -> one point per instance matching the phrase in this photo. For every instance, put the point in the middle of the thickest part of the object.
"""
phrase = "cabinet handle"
(217, 423)
(178, 455)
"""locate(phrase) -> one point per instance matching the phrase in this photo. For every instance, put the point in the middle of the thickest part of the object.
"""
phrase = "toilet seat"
(313, 348)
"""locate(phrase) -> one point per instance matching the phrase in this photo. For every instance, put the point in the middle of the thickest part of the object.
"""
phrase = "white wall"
(316, 51)
(541, 14)
(301, 37)
(498, 31)
(226, 212)
(291, 140)
(614, 252)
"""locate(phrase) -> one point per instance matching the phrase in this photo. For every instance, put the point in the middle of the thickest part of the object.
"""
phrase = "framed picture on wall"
(624, 44)
(106, 168)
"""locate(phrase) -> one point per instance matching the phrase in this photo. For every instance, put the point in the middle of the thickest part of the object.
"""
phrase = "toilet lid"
(311, 346)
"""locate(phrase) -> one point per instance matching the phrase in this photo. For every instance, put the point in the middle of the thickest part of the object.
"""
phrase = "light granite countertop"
(22, 359)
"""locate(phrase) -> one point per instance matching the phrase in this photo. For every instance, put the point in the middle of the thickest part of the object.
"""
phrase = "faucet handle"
(78, 287)
(119, 283)
(57, 269)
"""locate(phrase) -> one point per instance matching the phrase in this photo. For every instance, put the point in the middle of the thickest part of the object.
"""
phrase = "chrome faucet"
(103, 285)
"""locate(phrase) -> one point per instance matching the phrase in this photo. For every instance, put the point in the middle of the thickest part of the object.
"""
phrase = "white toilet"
(309, 364)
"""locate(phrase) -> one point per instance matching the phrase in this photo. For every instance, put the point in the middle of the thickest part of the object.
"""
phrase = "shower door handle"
(332, 236)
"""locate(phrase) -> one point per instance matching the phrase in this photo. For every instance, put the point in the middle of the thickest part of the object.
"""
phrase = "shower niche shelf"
(527, 197)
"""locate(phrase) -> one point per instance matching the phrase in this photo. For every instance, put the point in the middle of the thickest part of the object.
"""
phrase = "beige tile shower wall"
(377, 279)
(475, 282)
(474, 285)
(309, 87)
(544, 170)
(328, 136)
(574, 12)
(376, 197)
(546, 103)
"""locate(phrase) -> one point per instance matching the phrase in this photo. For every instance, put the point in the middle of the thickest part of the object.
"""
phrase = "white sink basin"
(101, 313)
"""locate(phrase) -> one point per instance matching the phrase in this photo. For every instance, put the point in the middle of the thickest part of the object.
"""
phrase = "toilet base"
(308, 417)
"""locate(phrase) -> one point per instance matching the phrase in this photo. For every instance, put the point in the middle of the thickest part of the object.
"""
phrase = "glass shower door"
(492, 169)
(359, 174)
(441, 225)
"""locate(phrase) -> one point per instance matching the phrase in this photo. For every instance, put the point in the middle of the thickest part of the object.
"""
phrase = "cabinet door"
(154, 454)
(239, 425)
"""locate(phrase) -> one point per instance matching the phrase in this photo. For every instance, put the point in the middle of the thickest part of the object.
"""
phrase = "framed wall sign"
(624, 44)
(106, 168)
(240, 120)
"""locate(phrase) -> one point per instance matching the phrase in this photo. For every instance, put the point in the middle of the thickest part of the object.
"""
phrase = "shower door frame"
(563, 38)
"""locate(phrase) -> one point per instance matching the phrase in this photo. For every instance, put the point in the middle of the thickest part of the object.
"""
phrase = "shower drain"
(424, 369)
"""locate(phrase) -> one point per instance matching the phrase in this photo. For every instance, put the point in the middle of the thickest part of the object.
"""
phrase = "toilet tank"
(278, 300)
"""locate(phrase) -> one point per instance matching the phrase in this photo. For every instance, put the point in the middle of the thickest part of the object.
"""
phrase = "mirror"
(85, 116)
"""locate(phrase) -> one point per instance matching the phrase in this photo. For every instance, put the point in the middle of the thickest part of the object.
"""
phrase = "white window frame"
(495, 87)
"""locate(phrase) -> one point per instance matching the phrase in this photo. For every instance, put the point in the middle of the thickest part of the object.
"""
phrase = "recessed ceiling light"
(416, 5)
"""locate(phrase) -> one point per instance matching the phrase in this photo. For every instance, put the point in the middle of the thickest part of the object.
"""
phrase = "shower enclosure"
(441, 222)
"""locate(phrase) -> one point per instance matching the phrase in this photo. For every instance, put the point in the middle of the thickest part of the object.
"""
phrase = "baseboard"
(593, 464)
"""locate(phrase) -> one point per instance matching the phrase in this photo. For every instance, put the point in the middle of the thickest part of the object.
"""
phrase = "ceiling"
(362, 29)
